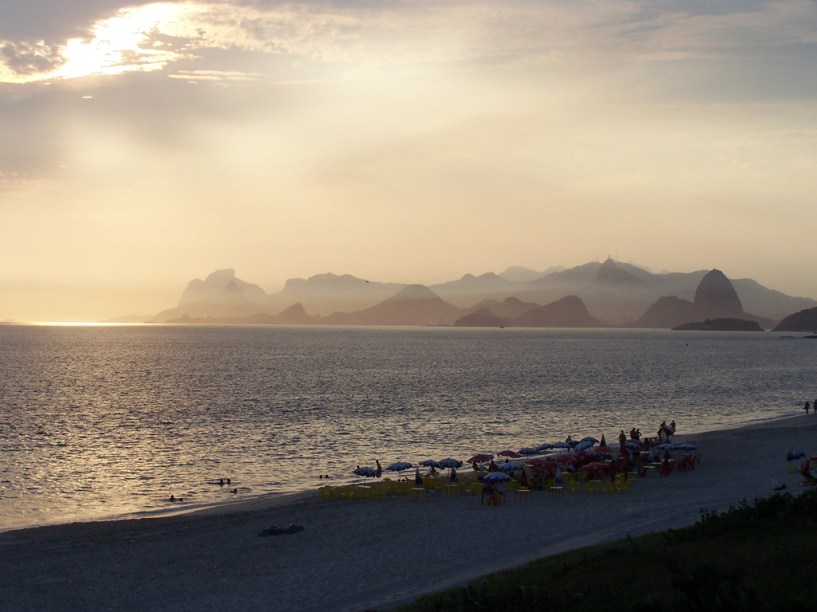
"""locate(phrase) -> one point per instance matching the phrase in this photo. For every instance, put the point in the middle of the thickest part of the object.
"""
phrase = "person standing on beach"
(807, 406)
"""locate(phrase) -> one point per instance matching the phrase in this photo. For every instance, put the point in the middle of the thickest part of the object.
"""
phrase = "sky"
(144, 144)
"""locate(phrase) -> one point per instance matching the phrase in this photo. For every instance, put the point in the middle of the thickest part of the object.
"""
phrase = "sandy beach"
(373, 553)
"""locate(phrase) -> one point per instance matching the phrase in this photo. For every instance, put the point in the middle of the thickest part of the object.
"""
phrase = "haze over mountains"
(590, 295)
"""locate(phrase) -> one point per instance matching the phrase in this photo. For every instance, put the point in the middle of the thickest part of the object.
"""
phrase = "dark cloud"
(55, 20)
(30, 58)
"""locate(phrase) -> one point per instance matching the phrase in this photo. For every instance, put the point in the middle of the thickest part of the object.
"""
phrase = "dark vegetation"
(751, 557)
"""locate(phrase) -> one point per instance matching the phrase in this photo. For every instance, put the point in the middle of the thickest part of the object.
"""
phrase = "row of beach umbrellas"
(578, 450)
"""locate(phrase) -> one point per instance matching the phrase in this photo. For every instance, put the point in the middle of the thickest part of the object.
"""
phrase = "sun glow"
(125, 43)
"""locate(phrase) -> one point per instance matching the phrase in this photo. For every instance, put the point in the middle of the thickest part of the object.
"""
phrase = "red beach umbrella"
(480, 458)
(509, 453)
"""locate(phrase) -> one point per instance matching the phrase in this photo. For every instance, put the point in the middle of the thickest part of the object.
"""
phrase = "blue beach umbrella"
(509, 467)
(496, 477)
(448, 462)
(368, 472)
(583, 445)
(528, 450)
(399, 466)
(430, 463)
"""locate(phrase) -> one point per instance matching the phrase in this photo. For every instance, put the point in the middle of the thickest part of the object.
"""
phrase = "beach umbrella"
(480, 458)
(589, 439)
(496, 477)
(583, 445)
(634, 446)
(508, 453)
(560, 445)
(366, 471)
(528, 450)
(448, 462)
(430, 463)
(666, 446)
(399, 466)
(603, 451)
(588, 456)
(597, 468)
(509, 467)
(687, 446)
(564, 459)
(545, 446)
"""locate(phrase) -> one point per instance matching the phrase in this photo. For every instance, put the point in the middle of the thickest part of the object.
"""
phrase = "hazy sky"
(144, 144)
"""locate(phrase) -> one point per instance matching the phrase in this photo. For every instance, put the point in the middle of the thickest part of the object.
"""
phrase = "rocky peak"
(610, 273)
(716, 298)
(413, 293)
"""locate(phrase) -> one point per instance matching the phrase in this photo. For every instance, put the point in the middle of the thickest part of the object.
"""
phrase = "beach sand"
(367, 554)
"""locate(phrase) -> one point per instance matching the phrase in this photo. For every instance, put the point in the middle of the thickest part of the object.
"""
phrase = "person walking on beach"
(807, 406)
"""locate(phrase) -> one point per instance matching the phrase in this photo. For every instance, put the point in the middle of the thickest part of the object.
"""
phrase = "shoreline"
(372, 553)
(278, 498)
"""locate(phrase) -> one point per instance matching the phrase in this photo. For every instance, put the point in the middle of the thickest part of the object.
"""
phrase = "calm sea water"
(104, 421)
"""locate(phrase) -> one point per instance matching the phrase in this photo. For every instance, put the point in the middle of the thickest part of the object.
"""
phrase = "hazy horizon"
(150, 143)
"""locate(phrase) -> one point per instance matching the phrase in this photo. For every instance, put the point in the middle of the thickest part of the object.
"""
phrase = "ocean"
(106, 421)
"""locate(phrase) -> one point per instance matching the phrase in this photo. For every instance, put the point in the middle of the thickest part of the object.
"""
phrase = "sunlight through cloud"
(123, 43)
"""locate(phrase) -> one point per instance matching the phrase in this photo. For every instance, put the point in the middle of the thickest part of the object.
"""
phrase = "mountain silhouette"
(481, 318)
(616, 293)
(802, 321)
(412, 305)
(715, 299)
(569, 311)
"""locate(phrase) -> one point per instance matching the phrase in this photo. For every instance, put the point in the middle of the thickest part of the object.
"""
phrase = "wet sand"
(373, 553)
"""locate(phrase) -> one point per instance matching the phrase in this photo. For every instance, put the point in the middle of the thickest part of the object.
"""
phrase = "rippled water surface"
(101, 421)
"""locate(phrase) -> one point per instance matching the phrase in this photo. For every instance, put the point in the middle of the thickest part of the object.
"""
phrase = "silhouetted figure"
(807, 406)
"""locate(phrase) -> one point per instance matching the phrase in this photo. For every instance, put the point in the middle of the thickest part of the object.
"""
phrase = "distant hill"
(481, 318)
(803, 321)
(509, 308)
(618, 294)
(412, 305)
(220, 295)
(569, 311)
(294, 315)
(324, 294)
(715, 298)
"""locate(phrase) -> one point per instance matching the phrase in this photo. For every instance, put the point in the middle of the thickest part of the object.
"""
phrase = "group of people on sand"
(665, 432)
(807, 406)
